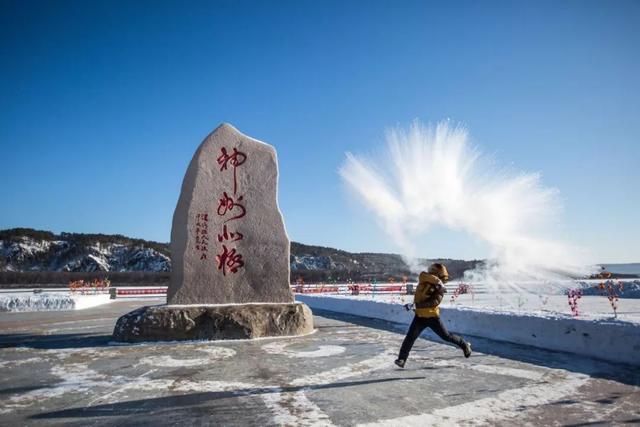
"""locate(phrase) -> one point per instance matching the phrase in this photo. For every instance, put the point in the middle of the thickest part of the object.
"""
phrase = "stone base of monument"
(214, 322)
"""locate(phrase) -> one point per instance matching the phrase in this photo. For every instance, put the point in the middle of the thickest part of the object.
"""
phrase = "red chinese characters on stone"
(229, 236)
(233, 209)
(235, 159)
(229, 259)
(227, 204)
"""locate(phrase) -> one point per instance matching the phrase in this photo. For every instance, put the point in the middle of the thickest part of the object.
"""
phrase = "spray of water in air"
(432, 176)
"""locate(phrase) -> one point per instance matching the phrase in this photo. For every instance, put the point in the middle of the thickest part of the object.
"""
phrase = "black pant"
(418, 325)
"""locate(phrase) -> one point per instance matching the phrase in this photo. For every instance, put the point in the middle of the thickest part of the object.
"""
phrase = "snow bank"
(41, 302)
(88, 301)
(50, 302)
(611, 340)
(631, 289)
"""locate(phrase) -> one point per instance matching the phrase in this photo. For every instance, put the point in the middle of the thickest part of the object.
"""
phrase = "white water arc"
(431, 176)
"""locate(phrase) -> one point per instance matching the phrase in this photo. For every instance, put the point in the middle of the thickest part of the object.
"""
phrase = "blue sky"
(102, 105)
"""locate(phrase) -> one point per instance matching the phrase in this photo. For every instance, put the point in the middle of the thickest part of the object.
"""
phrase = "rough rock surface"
(228, 240)
(213, 322)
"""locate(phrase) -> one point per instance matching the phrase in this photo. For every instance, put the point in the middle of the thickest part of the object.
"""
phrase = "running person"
(426, 300)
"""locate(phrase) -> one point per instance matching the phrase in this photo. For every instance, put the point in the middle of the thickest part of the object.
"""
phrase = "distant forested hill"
(37, 251)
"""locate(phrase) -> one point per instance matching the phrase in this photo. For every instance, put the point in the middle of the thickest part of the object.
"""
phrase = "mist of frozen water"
(431, 176)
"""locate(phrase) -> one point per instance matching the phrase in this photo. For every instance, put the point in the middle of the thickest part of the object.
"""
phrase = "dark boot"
(400, 362)
(466, 347)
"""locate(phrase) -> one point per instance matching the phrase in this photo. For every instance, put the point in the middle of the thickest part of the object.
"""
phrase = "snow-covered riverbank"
(590, 307)
(598, 335)
(49, 301)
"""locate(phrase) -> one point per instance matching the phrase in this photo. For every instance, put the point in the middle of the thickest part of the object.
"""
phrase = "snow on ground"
(50, 301)
(543, 323)
(210, 354)
(592, 307)
(491, 409)
(279, 347)
(88, 301)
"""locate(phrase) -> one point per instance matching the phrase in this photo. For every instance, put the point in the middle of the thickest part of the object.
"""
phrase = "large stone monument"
(229, 251)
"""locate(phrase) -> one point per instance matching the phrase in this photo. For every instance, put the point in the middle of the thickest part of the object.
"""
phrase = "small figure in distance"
(427, 298)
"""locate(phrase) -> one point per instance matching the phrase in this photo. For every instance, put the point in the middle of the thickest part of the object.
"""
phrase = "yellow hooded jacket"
(428, 295)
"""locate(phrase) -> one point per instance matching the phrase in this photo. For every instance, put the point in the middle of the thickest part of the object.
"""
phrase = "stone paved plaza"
(61, 368)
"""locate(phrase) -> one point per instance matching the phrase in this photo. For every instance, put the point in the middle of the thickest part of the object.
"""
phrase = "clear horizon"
(104, 103)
